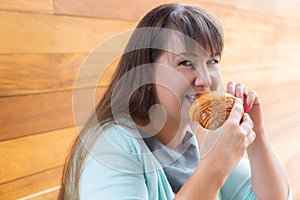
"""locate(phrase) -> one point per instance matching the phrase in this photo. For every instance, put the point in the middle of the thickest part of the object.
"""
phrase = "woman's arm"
(221, 157)
(269, 180)
(203, 184)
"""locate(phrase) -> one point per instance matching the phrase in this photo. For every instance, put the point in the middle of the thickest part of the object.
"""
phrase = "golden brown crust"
(211, 109)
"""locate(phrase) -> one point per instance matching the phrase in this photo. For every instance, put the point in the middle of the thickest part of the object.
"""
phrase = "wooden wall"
(44, 43)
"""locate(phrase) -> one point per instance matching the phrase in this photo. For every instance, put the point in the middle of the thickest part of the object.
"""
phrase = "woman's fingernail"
(248, 108)
(191, 124)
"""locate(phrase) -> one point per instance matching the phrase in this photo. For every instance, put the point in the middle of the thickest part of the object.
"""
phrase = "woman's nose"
(203, 79)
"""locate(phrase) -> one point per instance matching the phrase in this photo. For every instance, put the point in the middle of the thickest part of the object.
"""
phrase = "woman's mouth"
(190, 98)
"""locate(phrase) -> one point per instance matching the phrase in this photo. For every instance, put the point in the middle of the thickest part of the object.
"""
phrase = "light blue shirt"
(121, 166)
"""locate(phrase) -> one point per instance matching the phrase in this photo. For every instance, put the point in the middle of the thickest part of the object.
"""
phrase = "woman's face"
(181, 75)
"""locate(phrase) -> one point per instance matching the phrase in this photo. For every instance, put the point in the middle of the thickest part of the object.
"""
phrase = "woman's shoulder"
(121, 147)
(118, 137)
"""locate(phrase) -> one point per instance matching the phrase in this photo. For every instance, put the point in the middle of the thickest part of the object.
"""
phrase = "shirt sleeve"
(112, 172)
(238, 184)
(290, 196)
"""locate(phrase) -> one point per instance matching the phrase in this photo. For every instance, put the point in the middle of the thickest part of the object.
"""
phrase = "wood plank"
(58, 33)
(31, 184)
(45, 195)
(26, 115)
(104, 9)
(248, 29)
(98, 8)
(237, 59)
(39, 73)
(39, 6)
(283, 111)
(279, 7)
(254, 78)
(41, 33)
(286, 143)
(278, 96)
(34, 154)
(248, 38)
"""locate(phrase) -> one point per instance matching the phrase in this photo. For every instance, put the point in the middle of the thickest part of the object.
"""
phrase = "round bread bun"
(212, 109)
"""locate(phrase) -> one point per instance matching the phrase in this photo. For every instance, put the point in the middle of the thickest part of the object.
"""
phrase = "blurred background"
(44, 42)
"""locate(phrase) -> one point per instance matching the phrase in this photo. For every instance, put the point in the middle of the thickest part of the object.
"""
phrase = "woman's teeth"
(191, 98)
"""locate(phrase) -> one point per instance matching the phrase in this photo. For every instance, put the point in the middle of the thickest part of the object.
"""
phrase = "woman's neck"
(170, 135)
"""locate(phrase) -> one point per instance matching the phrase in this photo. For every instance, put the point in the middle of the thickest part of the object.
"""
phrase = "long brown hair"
(198, 24)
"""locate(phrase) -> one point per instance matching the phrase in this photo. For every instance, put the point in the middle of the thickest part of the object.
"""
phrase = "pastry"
(211, 109)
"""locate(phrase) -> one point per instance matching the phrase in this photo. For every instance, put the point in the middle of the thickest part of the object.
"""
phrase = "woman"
(139, 145)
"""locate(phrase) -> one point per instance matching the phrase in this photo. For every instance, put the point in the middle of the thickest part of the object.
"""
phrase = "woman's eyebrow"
(190, 54)
(187, 54)
(215, 55)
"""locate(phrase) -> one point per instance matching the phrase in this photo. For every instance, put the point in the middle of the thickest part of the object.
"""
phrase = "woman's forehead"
(183, 44)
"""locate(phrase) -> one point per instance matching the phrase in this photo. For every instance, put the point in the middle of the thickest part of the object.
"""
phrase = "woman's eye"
(186, 63)
(213, 61)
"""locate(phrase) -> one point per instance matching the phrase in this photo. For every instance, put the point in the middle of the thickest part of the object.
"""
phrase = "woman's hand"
(227, 144)
(220, 151)
(252, 104)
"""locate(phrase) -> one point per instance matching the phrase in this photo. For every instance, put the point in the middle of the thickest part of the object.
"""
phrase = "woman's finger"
(236, 111)
(247, 124)
(251, 98)
(240, 91)
(231, 88)
(250, 138)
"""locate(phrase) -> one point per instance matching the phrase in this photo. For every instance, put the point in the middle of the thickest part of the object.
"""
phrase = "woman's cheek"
(216, 79)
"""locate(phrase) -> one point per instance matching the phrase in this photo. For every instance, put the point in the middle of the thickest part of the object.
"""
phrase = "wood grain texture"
(279, 8)
(260, 77)
(44, 43)
(31, 184)
(59, 32)
(55, 34)
(37, 6)
(32, 114)
(241, 59)
(45, 73)
(40, 73)
(104, 9)
(282, 119)
(279, 105)
(34, 154)
(46, 195)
